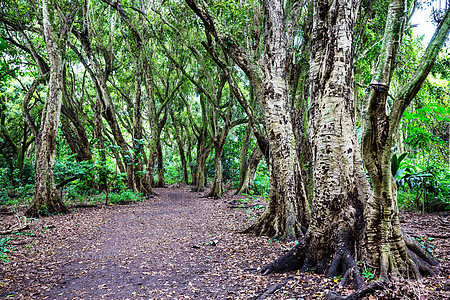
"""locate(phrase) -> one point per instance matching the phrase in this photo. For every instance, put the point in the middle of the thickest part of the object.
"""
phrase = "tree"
(268, 79)
(389, 248)
(344, 218)
(46, 199)
(340, 187)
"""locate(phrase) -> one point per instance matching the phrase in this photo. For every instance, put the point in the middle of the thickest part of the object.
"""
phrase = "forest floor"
(178, 245)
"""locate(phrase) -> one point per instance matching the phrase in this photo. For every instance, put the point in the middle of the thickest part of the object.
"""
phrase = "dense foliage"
(184, 102)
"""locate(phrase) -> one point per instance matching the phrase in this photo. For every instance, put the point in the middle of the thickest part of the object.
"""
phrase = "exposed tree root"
(419, 262)
(214, 195)
(424, 260)
(277, 228)
(199, 189)
(56, 207)
(293, 260)
(343, 260)
(271, 289)
(370, 289)
(15, 229)
(297, 258)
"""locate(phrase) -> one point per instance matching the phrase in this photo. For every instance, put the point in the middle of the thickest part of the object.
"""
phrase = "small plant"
(4, 248)
(366, 272)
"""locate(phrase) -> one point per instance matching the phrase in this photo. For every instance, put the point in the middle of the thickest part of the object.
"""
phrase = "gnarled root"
(422, 260)
(298, 258)
(293, 260)
(370, 289)
(343, 261)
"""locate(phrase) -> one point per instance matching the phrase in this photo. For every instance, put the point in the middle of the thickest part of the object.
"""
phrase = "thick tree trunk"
(180, 144)
(217, 187)
(139, 181)
(282, 217)
(243, 161)
(340, 186)
(200, 173)
(46, 199)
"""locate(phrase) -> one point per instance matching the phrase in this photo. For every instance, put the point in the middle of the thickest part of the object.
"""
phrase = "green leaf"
(2, 44)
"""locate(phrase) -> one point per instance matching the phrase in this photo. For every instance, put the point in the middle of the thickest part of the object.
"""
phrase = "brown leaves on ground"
(177, 245)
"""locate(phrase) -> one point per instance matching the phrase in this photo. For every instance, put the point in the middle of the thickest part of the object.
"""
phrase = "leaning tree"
(46, 199)
(388, 247)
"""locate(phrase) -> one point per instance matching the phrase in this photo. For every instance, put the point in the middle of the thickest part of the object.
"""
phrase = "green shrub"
(125, 196)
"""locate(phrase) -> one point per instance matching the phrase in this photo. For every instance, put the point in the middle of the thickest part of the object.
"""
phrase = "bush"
(124, 197)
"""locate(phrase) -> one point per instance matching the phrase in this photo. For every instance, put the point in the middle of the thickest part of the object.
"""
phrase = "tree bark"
(269, 80)
(340, 187)
(243, 163)
(181, 150)
(390, 250)
(46, 199)
(250, 172)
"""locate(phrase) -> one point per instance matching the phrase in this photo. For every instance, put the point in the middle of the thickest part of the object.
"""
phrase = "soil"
(179, 245)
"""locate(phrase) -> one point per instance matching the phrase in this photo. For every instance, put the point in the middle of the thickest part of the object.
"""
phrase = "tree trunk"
(139, 182)
(217, 187)
(243, 164)
(282, 217)
(269, 81)
(340, 187)
(203, 150)
(46, 199)
(180, 148)
(390, 250)
(250, 172)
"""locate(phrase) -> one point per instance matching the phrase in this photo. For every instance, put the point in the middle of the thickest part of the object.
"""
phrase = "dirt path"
(174, 246)
(154, 250)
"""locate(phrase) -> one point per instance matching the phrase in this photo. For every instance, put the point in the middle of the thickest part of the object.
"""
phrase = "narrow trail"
(176, 245)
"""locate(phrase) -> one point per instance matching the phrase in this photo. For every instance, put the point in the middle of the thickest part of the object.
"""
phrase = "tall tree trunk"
(203, 150)
(340, 187)
(180, 144)
(217, 187)
(389, 249)
(282, 218)
(46, 199)
(243, 161)
(269, 80)
(139, 182)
